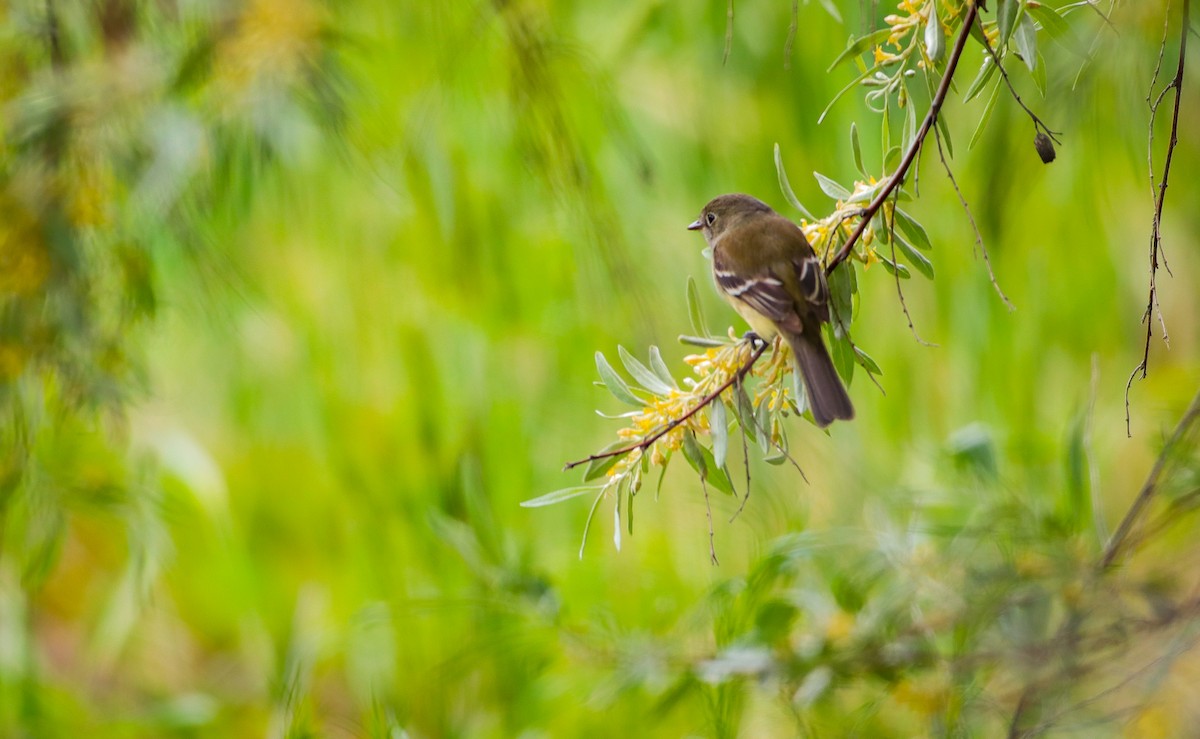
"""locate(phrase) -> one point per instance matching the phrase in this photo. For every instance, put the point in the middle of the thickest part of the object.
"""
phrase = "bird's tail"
(827, 397)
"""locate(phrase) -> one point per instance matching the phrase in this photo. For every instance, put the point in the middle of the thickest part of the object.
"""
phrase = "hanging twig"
(1153, 308)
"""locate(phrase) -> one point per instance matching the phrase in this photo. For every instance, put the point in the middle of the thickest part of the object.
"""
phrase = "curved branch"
(935, 107)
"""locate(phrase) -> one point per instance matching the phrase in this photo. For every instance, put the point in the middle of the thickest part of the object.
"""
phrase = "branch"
(1151, 485)
(937, 137)
(1038, 123)
(935, 106)
(1152, 306)
(645, 443)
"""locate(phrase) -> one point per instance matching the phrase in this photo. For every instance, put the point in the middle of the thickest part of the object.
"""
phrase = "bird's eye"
(710, 218)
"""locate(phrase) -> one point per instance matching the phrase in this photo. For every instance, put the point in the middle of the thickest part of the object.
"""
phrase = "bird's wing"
(763, 292)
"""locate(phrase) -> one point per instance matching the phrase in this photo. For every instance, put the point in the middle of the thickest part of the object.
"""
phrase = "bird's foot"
(753, 338)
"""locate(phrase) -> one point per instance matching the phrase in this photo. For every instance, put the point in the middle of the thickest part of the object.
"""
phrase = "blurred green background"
(335, 277)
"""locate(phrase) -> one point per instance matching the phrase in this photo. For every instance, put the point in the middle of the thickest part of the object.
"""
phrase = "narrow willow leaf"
(831, 9)
(587, 526)
(913, 230)
(599, 467)
(861, 45)
(983, 119)
(798, 395)
(1039, 75)
(660, 367)
(617, 520)
(891, 266)
(830, 187)
(856, 147)
(718, 427)
(986, 70)
(843, 355)
(634, 485)
(915, 258)
(762, 416)
(853, 83)
(618, 387)
(909, 131)
(642, 373)
(559, 496)
(694, 311)
(945, 129)
(1057, 28)
(865, 360)
(718, 476)
(892, 159)
(1006, 17)
(841, 296)
(1025, 37)
(744, 409)
(786, 186)
(935, 36)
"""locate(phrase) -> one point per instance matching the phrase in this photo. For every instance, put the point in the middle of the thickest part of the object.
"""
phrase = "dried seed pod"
(1045, 147)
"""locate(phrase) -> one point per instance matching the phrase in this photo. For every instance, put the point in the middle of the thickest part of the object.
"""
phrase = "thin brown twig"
(897, 177)
(1150, 487)
(712, 545)
(937, 137)
(1153, 307)
(645, 443)
(1038, 123)
(891, 231)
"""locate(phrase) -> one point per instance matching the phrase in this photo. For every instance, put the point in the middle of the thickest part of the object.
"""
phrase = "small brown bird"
(766, 269)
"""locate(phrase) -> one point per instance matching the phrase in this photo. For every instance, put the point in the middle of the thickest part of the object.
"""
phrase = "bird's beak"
(695, 225)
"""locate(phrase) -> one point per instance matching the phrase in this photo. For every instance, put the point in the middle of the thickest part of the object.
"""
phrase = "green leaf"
(865, 360)
(915, 258)
(704, 464)
(913, 230)
(699, 325)
(600, 467)
(1056, 27)
(801, 397)
(945, 129)
(831, 188)
(744, 409)
(618, 387)
(1026, 39)
(909, 131)
(559, 496)
(786, 186)
(660, 367)
(840, 296)
(983, 119)
(861, 45)
(856, 147)
(617, 520)
(853, 83)
(986, 70)
(1039, 75)
(642, 374)
(1006, 17)
(719, 429)
(892, 159)
(842, 353)
(890, 266)
(935, 36)
(587, 526)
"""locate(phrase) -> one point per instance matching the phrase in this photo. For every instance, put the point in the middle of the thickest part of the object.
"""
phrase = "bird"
(765, 268)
